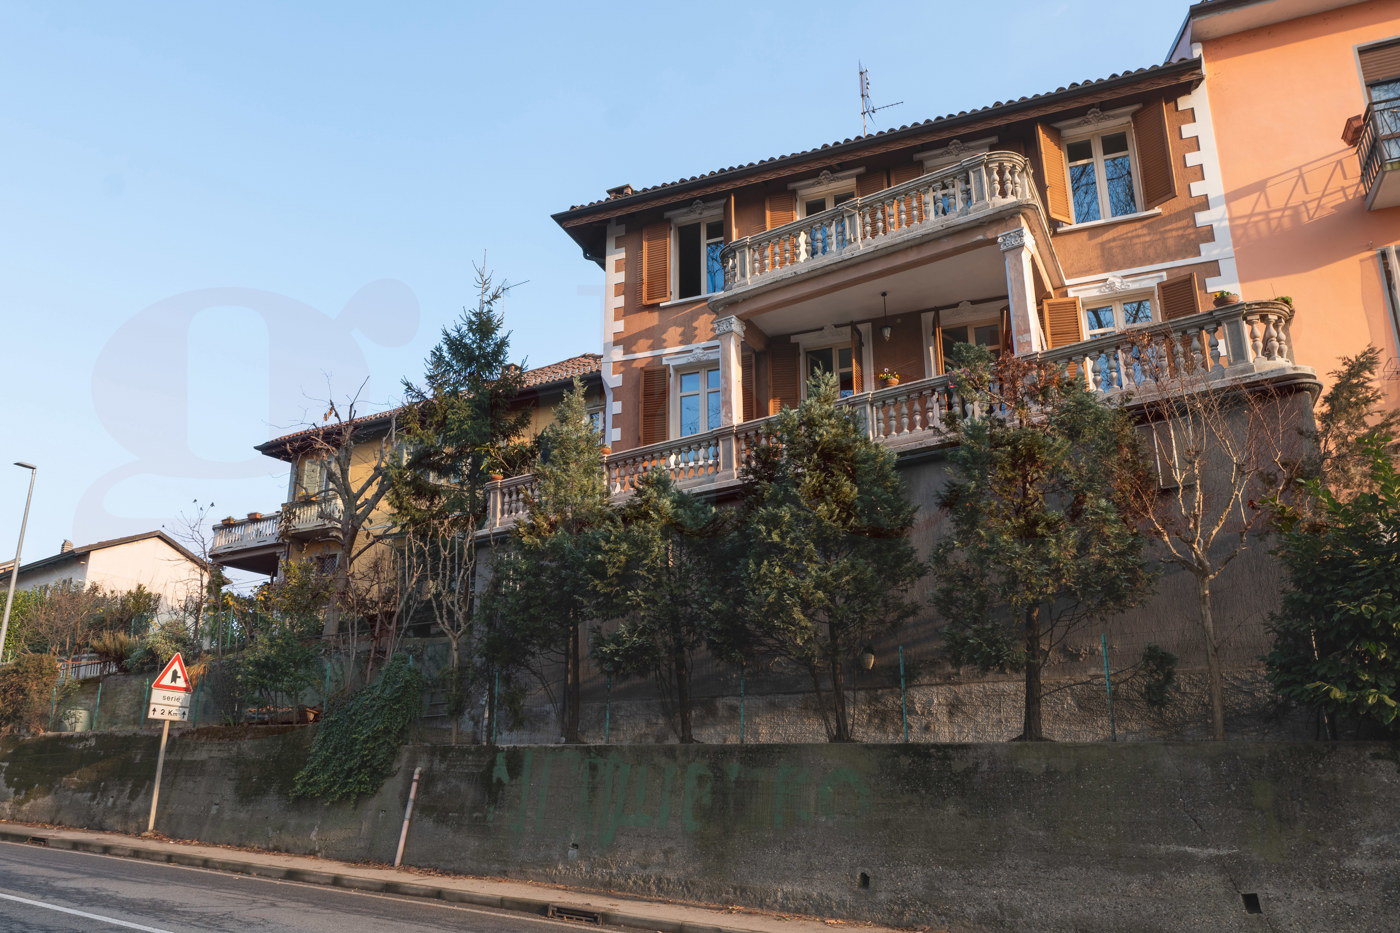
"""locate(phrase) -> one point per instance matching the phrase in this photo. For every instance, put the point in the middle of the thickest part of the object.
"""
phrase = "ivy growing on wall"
(356, 744)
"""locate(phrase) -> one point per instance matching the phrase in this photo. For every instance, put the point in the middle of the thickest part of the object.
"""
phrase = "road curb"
(513, 903)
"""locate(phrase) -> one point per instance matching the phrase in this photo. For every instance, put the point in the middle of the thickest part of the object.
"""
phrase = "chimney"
(621, 191)
(65, 547)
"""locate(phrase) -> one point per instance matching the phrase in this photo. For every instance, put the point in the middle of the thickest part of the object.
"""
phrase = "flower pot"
(606, 451)
(496, 477)
(887, 383)
(1223, 300)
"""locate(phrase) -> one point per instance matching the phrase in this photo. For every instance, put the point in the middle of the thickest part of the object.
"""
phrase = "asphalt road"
(56, 891)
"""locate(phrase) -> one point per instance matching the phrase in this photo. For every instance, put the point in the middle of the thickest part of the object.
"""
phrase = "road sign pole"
(160, 766)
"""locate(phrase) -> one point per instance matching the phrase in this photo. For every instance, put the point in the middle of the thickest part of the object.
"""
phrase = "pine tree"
(660, 577)
(458, 428)
(824, 563)
(1041, 498)
(544, 581)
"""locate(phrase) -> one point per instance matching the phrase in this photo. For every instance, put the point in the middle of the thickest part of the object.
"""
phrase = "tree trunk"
(838, 698)
(454, 685)
(1031, 728)
(571, 688)
(1217, 679)
(681, 671)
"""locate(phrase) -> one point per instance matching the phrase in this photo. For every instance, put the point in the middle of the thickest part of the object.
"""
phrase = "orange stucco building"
(1304, 103)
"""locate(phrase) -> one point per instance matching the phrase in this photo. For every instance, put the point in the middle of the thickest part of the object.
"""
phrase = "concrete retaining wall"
(1143, 837)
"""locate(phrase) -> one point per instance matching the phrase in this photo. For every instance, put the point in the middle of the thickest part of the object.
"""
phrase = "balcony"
(1243, 342)
(961, 197)
(1378, 149)
(253, 544)
(315, 518)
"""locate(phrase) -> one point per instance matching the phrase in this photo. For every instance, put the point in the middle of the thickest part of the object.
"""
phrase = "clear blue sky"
(209, 213)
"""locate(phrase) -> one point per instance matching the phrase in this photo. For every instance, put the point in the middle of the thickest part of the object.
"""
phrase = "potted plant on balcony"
(1223, 298)
(887, 378)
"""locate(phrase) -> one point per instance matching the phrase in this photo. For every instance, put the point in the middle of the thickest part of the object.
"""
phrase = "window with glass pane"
(1114, 316)
(1385, 98)
(830, 233)
(698, 268)
(833, 360)
(984, 335)
(699, 401)
(1101, 177)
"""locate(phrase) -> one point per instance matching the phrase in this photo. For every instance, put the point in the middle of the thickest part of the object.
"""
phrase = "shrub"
(26, 689)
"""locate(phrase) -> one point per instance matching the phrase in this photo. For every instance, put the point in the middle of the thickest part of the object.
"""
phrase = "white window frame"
(834, 337)
(1116, 302)
(827, 185)
(966, 314)
(699, 360)
(1094, 128)
(702, 213)
(950, 155)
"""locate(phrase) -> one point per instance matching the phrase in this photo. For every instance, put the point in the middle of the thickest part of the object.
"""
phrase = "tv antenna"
(866, 110)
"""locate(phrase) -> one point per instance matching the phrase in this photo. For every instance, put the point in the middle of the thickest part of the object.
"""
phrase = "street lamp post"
(14, 571)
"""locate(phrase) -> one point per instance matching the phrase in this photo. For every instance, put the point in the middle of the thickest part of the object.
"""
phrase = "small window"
(698, 268)
(984, 335)
(699, 399)
(313, 479)
(1101, 176)
(833, 360)
(1106, 317)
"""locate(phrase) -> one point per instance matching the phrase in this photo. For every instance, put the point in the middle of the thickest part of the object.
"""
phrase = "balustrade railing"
(246, 533)
(927, 203)
(1223, 343)
(1206, 345)
(312, 514)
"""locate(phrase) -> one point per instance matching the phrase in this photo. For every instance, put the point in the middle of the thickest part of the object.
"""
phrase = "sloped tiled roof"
(78, 553)
(580, 365)
(1183, 65)
(540, 376)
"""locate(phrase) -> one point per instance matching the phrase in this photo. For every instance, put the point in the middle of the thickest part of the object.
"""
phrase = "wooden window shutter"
(907, 171)
(868, 183)
(857, 359)
(746, 386)
(1380, 62)
(940, 365)
(1005, 346)
(779, 208)
(784, 377)
(1064, 321)
(656, 263)
(1154, 149)
(655, 415)
(1055, 171)
(1179, 297)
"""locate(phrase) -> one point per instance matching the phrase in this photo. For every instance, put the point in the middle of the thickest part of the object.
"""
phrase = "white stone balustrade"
(927, 204)
(1224, 343)
(246, 533)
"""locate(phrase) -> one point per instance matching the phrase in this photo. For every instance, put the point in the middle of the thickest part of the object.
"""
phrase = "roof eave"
(575, 218)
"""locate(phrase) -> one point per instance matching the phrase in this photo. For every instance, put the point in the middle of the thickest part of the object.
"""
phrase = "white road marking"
(82, 913)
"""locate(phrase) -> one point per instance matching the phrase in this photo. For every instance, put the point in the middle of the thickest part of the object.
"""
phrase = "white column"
(730, 331)
(1017, 247)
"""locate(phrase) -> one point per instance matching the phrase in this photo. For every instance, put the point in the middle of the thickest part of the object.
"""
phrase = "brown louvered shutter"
(746, 386)
(870, 182)
(656, 263)
(779, 208)
(1055, 171)
(1064, 324)
(1005, 347)
(940, 366)
(655, 416)
(913, 206)
(907, 171)
(1178, 297)
(857, 359)
(1154, 151)
(1380, 62)
(783, 377)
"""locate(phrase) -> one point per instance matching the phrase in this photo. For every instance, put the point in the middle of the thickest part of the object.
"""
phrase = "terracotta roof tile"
(581, 365)
(870, 137)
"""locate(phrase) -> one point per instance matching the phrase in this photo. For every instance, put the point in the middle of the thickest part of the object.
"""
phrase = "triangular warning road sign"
(174, 676)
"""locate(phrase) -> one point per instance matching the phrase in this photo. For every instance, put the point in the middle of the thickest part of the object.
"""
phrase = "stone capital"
(1015, 240)
(729, 325)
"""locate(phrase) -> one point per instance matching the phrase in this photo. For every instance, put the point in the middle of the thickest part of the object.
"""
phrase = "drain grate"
(577, 914)
(37, 841)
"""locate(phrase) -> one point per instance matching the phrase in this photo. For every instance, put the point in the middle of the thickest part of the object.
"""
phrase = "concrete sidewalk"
(533, 898)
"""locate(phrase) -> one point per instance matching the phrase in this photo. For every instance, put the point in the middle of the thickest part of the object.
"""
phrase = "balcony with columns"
(1244, 344)
(967, 231)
